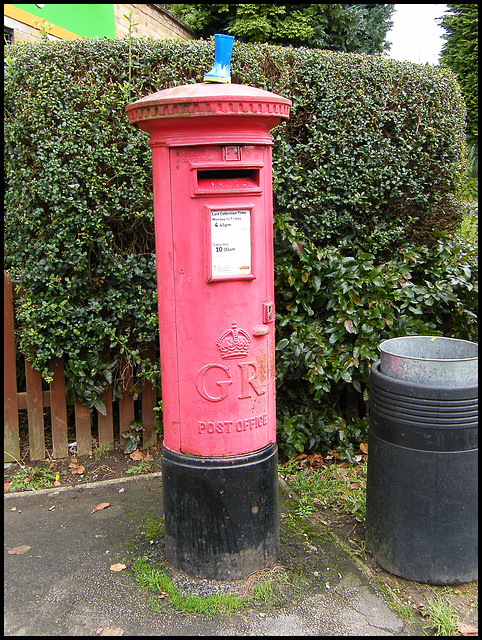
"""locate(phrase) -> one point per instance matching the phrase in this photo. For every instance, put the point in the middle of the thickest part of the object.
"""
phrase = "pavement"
(62, 585)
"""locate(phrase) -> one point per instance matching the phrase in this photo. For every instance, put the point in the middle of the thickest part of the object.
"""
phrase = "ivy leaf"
(131, 445)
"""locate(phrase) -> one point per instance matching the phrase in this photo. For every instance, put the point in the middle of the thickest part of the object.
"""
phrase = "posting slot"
(227, 180)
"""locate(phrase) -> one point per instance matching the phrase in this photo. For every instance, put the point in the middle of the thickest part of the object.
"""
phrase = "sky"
(415, 35)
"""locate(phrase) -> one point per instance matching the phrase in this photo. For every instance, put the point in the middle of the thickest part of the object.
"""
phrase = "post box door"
(223, 302)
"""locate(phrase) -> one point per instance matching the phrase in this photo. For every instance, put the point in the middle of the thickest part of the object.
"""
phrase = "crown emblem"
(234, 343)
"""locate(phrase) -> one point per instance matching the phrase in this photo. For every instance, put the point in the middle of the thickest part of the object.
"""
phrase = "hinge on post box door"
(232, 152)
(268, 312)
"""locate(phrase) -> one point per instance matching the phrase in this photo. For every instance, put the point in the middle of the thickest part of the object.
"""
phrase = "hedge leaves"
(367, 174)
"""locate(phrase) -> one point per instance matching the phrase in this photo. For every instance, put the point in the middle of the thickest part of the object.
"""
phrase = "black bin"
(422, 487)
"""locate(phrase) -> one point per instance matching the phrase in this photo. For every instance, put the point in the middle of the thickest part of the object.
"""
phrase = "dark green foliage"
(372, 145)
(461, 53)
(338, 303)
(352, 28)
(366, 169)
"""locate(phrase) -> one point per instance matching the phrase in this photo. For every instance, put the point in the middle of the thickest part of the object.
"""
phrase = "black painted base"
(221, 515)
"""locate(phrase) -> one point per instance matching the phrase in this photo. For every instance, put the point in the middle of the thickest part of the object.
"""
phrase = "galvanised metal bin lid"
(431, 360)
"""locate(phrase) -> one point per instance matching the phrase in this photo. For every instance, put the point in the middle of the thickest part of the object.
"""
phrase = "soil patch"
(76, 470)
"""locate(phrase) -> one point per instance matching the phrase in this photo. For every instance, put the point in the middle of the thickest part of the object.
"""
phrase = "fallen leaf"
(342, 473)
(136, 455)
(316, 460)
(6, 486)
(76, 468)
(117, 567)
(162, 595)
(110, 631)
(467, 630)
(100, 507)
(17, 551)
(148, 457)
(363, 447)
(57, 483)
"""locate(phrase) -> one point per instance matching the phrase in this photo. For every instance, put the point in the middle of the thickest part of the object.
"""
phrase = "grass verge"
(155, 579)
(342, 488)
(442, 619)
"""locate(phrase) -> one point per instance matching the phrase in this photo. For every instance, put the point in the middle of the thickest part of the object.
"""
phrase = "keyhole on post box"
(268, 312)
(232, 153)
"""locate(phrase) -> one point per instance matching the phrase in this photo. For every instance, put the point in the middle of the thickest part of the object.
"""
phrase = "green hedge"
(368, 166)
(340, 305)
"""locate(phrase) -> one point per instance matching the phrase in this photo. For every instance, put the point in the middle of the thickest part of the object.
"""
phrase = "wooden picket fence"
(34, 400)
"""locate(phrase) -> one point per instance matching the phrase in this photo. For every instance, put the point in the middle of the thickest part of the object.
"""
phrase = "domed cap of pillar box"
(192, 103)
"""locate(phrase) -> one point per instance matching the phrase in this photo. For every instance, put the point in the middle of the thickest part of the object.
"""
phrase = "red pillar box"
(213, 224)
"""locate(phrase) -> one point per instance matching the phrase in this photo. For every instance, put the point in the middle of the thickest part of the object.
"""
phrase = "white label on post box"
(230, 243)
